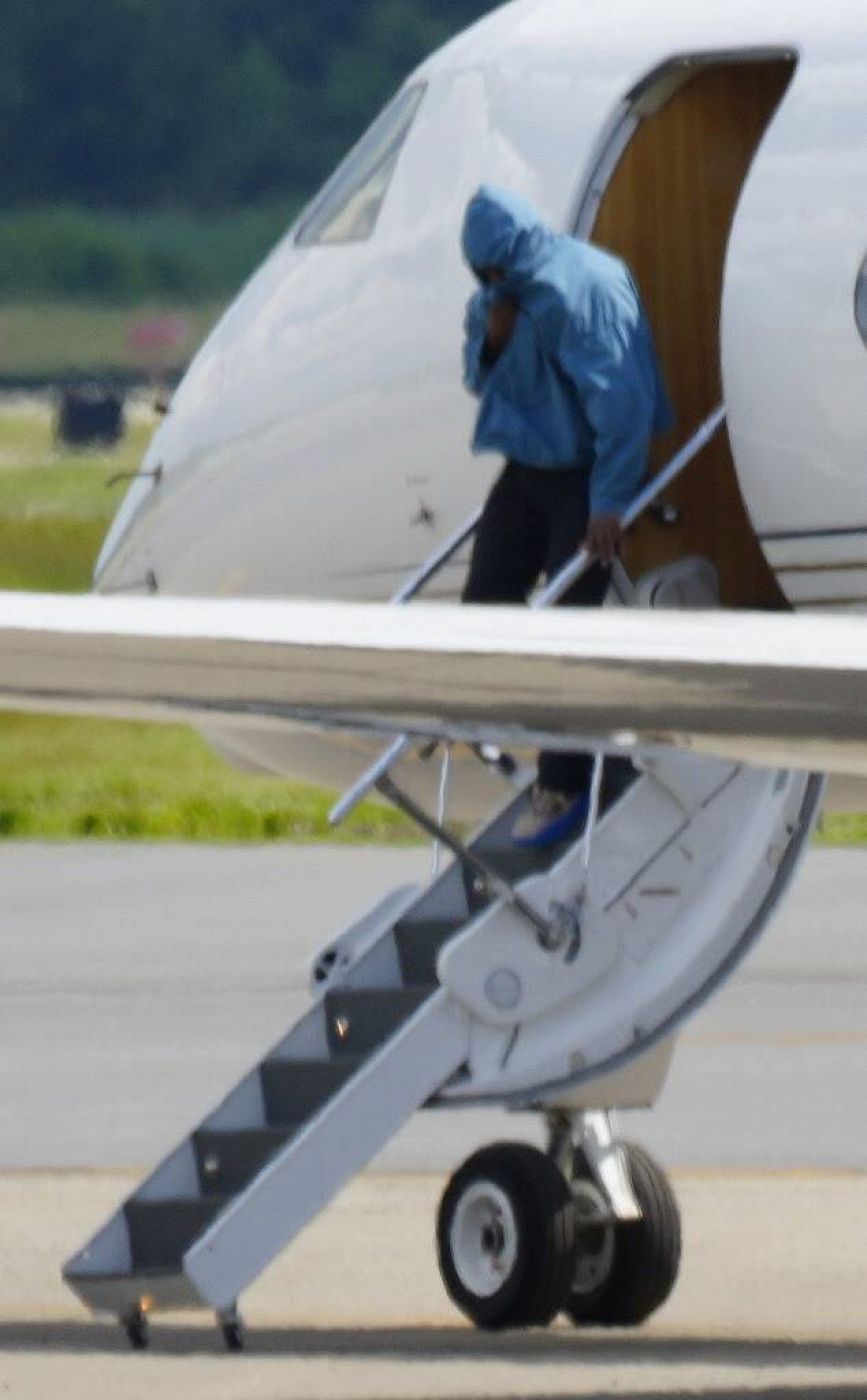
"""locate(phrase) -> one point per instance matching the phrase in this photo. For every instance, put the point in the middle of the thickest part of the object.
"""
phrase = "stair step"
(227, 1161)
(161, 1232)
(295, 1089)
(418, 945)
(620, 775)
(360, 1021)
(514, 863)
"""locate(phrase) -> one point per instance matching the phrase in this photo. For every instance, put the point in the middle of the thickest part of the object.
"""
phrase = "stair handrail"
(405, 594)
(437, 560)
(582, 561)
(546, 598)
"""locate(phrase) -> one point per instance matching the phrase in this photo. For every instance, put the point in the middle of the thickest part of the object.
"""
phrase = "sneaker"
(550, 818)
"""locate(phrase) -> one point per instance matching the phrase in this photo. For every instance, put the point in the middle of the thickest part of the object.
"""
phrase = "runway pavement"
(771, 1303)
(139, 982)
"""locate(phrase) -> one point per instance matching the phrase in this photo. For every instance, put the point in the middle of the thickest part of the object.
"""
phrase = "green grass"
(55, 507)
(50, 338)
(27, 441)
(68, 779)
(843, 829)
(63, 779)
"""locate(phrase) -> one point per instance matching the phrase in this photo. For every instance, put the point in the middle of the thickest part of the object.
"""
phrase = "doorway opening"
(663, 196)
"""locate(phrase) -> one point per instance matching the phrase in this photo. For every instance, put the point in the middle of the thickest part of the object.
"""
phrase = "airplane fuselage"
(318, 446)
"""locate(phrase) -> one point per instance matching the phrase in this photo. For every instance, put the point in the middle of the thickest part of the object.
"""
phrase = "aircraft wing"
(766, 689)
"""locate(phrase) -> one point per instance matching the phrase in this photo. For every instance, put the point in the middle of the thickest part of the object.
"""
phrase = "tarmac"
(139, 982)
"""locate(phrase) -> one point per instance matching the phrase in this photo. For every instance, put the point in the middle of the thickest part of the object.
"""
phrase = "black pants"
(534, 521)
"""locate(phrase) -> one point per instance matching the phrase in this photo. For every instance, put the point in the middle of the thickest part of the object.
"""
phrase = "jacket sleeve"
(605, 367)
(476, 371)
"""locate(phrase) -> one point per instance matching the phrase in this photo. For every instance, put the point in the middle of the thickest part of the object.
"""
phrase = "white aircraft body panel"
(328, 404)
(318, 446)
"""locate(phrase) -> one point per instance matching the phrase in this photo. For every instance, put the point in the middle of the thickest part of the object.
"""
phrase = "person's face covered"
(504, 240)
(490, 276)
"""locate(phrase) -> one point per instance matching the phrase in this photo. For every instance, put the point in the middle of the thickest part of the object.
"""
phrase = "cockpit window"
(861, 301)
(347, 209)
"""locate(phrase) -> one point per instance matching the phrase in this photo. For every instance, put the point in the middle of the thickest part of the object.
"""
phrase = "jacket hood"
(503, 230)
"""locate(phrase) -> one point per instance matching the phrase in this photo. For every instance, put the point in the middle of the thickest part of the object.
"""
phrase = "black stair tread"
(203, 1207)
(156, 1202)
(619, 776)
(294, 1090)
(399, 998)
(359, 1020)
(268, 1133)
(320, 1070)
(161, 1231)
(419, 942)
(497, 848)
(117, 1276)
(513, 862)
(229, 1159)
(321, 1065)
(323, 1071)
(424, 927)
(393, 1004)
(495, 845)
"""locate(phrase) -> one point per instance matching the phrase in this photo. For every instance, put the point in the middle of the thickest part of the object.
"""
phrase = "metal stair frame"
(324, 1147)
(334, 1146)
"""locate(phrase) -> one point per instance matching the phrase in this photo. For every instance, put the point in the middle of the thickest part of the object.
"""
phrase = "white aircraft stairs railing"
(519, 977)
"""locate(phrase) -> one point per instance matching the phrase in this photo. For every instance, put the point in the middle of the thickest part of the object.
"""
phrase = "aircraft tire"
(635, 1264)
(506, 1238)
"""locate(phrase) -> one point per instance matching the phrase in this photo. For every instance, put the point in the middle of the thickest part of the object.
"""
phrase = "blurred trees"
(199, 104)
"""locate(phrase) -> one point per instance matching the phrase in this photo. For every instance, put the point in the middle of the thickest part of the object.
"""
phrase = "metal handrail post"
(369, 779)
(409, 590)
(593, 813)
(550, 937)
(431, 568)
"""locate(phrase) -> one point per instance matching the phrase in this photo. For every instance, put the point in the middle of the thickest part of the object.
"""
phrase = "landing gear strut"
(628, 1224)
(626, 1269)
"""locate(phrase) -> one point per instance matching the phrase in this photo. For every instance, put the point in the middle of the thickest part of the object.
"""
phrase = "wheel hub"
(484, 1238)
(596, 1238)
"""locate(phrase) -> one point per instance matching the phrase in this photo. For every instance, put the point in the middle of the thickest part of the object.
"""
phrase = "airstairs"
(526, 978)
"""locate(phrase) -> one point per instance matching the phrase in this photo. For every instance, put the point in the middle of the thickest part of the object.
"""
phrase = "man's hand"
(603, 538)
(502, 315)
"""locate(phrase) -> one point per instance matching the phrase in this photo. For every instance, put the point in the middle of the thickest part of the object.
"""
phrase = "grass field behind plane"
(66, 779)
(72, 778)
(50, 338)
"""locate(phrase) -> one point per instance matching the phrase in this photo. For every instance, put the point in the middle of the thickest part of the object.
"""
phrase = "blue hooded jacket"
(578, 383)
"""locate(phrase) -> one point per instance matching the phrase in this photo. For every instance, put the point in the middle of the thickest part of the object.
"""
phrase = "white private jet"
(317, 449)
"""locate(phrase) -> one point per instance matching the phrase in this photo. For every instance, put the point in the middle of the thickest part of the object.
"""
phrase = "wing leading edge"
(767, 689)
